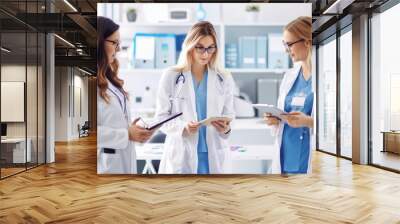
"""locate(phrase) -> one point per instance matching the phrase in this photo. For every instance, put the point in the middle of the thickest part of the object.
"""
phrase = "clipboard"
(274, 111)
(157, 124)
(208, 121)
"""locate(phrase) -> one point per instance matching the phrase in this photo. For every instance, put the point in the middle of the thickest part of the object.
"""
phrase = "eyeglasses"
(202, 50)
(116, 43)
(289, 45)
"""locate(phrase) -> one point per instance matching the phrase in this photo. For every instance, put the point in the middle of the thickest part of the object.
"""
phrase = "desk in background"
(13, 150)
(391, 141)
(250, 131)
(260, 153)
(149, 152)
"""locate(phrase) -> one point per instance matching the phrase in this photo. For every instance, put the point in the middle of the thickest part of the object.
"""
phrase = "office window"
(346, 93)
(385, 89)
(13, 86)
(22, 88)
(327, 96)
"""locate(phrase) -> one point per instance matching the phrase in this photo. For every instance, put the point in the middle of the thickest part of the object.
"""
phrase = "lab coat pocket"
(221, 142)
(176, 153)
(111, 163)
(177, 104)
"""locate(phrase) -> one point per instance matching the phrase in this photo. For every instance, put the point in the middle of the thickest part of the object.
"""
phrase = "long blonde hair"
(302, 29)
(196, 32)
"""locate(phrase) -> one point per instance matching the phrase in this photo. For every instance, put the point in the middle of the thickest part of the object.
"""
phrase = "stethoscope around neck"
(180, 82)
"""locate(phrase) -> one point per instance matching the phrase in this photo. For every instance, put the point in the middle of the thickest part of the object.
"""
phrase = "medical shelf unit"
(142, 82)
(227, 33)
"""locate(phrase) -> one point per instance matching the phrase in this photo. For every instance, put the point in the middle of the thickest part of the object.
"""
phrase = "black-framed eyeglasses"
(289, 44)
(115, 43)
(202, 50)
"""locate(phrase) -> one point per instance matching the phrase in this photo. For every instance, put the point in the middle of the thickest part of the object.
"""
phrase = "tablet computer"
(162, 121)
(274, 111)
(208, 121)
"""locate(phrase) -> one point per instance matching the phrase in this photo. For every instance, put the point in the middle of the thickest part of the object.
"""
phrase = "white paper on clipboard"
(274, 111)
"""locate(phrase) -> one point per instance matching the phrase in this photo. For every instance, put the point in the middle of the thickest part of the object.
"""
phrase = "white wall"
(14, 73)
(272, 14)
(68, 82)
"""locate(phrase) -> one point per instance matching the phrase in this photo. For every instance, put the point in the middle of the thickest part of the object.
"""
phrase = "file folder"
(261, 52)
(144, 50)
(277, 56)
(165, 50)
(247, 51)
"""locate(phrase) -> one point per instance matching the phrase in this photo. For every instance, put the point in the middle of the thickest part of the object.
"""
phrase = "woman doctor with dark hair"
(116, 134)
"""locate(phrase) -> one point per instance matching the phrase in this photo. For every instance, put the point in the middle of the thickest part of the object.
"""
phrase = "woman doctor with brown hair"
(115, 132)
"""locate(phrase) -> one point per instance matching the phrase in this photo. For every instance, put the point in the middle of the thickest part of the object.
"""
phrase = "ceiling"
(79, 27)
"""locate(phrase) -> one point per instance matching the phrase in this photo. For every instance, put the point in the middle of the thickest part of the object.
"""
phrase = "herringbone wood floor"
(70, 191)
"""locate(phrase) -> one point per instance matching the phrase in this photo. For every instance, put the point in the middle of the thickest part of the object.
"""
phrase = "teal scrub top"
(295, 147)
(200, 90)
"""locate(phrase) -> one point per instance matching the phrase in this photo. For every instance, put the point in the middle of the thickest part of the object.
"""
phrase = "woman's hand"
(298, 119)
(191, 128)
(138, 133)
(270, 120)
(221, 126)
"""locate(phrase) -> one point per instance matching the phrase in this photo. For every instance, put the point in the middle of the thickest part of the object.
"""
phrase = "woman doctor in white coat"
(115, 133)
(295, 138)
(199, 88)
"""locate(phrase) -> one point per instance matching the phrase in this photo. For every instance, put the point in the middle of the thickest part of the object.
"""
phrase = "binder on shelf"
(144, 50)
(247, 51)
(165, 51)
(231, 55)
(179, 38)
(261, 52)
(277, 56)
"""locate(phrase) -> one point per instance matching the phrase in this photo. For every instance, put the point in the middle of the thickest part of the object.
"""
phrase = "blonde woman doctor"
(295, 136)
(115, 132)
(200, 89)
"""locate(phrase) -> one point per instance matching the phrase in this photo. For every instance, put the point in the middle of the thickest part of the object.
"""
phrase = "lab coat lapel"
(191, 93)
(292, 76)
(114, 95)
(211, 94)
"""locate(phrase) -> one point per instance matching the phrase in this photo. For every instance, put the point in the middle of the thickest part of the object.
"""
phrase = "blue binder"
(277, 57)
(165, 50)
(231, 55)
(179, 38)
(261, 52)
(144, 50)
(247, 52)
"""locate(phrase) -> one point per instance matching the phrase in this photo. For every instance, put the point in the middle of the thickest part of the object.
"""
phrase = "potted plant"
(131, 15)
(252, 12)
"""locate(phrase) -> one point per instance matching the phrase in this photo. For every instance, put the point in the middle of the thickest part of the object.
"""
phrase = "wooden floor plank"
(70, 191)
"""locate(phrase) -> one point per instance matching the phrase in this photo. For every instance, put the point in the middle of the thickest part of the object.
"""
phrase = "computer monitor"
(3, 129)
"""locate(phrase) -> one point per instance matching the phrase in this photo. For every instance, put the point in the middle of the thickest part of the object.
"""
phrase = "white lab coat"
(286, 84)
(180, 152)
(112, 132)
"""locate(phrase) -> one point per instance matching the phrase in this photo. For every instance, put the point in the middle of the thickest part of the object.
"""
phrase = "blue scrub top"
(295, 148)
(200, 90)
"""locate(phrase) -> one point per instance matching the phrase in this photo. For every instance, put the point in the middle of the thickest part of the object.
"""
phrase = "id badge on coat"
(298, 101)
